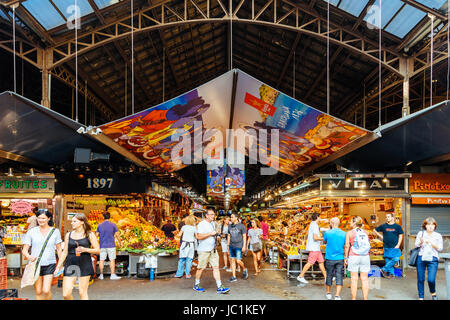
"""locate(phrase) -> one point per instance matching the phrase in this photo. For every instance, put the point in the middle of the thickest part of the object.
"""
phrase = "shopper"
(79, 244)
(2, 246)
(182, 222)
(32, 220)
(107, 231)
(313, 246)
(357, 257)
(187, 248)
(334, 257)
(168, 229)
(36, 238)
(255, 244)
(430, 243)
(265, 236)
(207, 252)
(237, 243)
(285, 229)
(224, 243)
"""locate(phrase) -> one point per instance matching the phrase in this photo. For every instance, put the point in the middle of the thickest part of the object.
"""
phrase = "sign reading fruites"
(26, 185)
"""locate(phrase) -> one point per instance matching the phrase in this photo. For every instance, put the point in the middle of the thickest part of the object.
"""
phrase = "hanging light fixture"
(32, 173)
(347, 178)
(10, 172)
(385, 179)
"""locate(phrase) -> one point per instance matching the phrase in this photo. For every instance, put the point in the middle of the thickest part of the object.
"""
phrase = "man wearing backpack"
(357, 247)
(313, 246)
(237, 242)
(392, 235)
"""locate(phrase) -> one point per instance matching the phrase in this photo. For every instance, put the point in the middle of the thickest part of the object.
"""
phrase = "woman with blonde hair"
(79, 244)
(187, 248)
(357, 257)
(430, 242)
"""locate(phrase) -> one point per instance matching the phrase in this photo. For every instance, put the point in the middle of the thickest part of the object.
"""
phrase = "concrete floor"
(269, 285)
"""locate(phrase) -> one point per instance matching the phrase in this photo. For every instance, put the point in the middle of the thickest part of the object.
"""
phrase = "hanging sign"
(429, 183)
(21, 207)
(26, 184)
(370, 184)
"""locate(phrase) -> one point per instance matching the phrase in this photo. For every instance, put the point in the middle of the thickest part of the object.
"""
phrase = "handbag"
(33, 269)
(413, 254)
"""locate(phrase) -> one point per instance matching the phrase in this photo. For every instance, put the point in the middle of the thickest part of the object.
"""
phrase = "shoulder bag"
(413, 254)
(33, 269)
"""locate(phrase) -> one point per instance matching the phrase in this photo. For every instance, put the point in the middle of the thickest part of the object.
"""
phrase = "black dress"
(78, 266)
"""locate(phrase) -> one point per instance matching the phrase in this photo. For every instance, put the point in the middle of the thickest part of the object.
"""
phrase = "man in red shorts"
(313, 246)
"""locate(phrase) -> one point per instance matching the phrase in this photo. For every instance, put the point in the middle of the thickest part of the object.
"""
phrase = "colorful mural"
(306, 135)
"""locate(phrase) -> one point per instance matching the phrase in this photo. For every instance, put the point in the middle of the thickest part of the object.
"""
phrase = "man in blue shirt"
(334, 257)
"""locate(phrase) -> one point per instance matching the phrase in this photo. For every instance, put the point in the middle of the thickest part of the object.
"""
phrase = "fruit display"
(138, 235)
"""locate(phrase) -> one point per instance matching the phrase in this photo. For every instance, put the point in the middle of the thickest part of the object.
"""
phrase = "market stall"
(430, 197)
(19, 196)
(137, 209)
(343, 197)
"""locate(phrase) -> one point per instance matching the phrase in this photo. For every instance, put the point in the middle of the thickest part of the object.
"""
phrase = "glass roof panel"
(105, 3)
(333, 2)
(406, 20)
(44, 13)
(388, 10)
(3, 15)
(433, 4)
(355, 7)
(65, 5)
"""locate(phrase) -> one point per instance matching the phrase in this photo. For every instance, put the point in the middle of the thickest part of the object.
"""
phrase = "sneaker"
(114, 277)
(222, 290)
(225, 268)
(175, 276)
(228, 270)
(328, 295)
(233, 279)
(198, 288)
(337, 298)
(434, 297)
(245, 274)
(302, 280)
(100, 277)
(188, 276)
(385, 274)
(194, 264)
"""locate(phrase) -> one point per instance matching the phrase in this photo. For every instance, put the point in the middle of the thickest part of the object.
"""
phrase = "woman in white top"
(224, 243)
(187, 248)
(35, 238)
(255, 244)
(430, 243)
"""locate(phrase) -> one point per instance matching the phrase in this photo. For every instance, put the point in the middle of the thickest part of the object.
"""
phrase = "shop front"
(137, 206)
(367, 196)
(430, 197)
(19, 196)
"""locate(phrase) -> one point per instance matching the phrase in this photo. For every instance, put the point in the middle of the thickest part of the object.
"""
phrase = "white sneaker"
(224, 268)
(229, 270)
(337, 298)
(302, 280)
(328, 295)
(114, 277)
(100, 277)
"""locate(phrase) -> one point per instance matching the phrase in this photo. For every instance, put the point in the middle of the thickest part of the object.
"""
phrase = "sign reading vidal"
(372, 184)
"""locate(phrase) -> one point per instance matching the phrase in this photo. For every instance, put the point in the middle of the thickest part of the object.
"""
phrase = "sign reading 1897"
(99, 183)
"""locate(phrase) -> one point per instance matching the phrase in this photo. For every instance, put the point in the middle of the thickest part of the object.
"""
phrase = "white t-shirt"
(311, 244)
(254, 234)
(435, 238)
(35, 239)
(207, 244)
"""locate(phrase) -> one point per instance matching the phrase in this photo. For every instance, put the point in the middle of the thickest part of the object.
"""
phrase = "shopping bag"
(30, 274)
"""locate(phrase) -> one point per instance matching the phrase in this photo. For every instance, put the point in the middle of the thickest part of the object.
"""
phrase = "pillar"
(406, 68)
(45, 60)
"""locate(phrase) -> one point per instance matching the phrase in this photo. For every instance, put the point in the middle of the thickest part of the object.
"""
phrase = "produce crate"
(8, 293)
(3, 273)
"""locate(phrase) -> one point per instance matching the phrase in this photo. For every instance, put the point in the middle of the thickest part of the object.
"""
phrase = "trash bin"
(446, 257)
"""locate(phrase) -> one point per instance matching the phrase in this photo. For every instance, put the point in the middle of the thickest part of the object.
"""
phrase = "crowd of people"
(200, 239)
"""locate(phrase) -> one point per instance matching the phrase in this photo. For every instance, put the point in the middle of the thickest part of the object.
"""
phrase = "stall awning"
(39, 136)
(419, 137)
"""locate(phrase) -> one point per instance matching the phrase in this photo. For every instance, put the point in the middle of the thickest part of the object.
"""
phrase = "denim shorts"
(235, 253)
